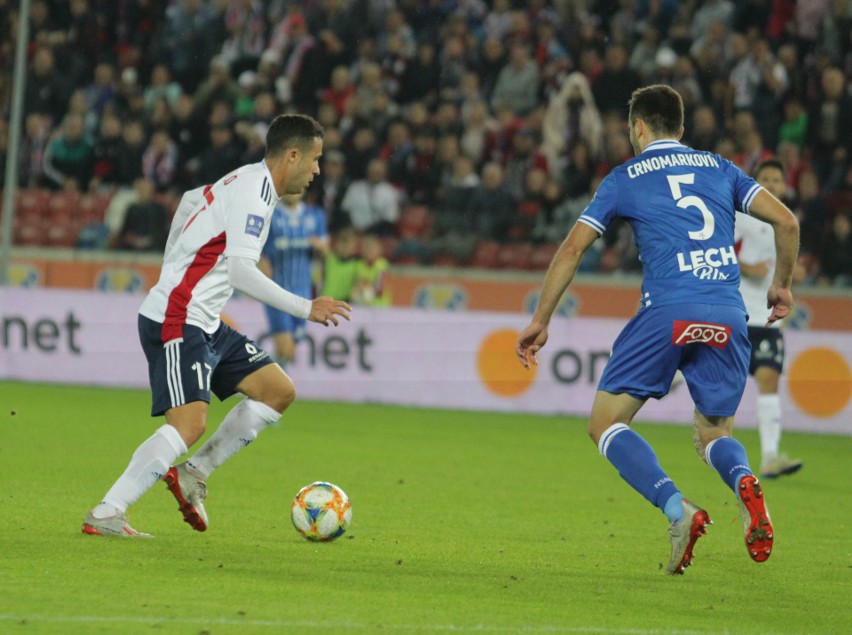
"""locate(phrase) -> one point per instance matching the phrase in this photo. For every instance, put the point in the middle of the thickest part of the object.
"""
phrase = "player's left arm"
(559, 275)
(769, 209)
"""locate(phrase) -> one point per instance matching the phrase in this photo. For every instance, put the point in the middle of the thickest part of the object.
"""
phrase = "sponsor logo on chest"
(704, 263)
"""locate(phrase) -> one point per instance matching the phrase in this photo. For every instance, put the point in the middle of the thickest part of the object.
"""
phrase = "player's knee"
(281, 395)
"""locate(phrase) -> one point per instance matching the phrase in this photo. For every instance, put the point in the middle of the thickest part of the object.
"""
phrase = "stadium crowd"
(463, 132)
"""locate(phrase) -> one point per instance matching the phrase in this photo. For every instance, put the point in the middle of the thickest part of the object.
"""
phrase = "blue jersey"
(681, 205)
(288, 246)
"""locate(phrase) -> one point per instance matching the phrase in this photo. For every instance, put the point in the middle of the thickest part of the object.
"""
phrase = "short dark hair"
(770, 163)
(292, 131)
(659, 106)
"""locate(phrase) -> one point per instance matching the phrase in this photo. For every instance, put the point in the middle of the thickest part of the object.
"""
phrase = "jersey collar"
(663, 144)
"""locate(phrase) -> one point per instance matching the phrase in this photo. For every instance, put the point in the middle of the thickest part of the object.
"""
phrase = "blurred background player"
(692, 316)
(297, 235)
(756, 254)
(371, 286)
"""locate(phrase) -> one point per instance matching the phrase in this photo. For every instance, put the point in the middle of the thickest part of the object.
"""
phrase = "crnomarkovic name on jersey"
(689, 159)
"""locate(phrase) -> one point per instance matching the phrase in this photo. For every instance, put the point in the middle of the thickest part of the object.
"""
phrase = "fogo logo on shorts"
(685, 332)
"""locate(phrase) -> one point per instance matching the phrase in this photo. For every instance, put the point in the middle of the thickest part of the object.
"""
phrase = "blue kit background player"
(681, 205)
(297, 234)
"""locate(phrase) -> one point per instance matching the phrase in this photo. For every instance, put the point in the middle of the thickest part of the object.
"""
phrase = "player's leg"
(285, 348)
(642, 365)
(181, 393)
(767, 362)
(716, 377)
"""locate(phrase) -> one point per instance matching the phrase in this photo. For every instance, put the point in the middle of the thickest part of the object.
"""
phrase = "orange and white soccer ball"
(321, 512)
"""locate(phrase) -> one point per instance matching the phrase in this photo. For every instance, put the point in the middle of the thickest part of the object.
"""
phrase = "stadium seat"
(27, 201)
(514, 256)
(485, 254)
(92, 206)
(541, 256)
(414, 221)
(62, 206)
(445, 260)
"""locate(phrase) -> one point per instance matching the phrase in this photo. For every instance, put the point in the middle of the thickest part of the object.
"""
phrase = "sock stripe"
(707, 449)
(608, 435)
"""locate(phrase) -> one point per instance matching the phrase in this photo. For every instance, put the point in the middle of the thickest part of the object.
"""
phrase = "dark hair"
(769, 163)
(659, 106)
(292, 131)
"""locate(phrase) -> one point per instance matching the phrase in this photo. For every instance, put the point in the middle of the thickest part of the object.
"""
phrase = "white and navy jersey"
(755, 242)
(288, 246)
(228, 218)
(680, 204)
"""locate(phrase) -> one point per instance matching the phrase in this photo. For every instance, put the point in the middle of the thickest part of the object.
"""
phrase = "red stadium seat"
(29, 201)
(445, 260)
(62, 206)
(414, 221)
(92, 207)
(485, 254)
(514, 256)
(541, 256)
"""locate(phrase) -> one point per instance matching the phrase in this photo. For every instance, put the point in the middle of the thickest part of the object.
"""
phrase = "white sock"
(239, 428)
(769, 424)
(147, 466)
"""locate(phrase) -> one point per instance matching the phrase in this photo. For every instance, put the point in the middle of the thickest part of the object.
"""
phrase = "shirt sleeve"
(603, 208)
(268, 250)
(745, 188)
(248, 209)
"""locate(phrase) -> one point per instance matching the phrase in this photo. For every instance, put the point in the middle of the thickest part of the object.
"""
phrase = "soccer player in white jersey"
(756, 254)
(213, 248)
(681, 205)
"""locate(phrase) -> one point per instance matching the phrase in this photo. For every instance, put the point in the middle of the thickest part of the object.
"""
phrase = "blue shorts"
(707, 342)
(767, 348)
(280, 322)
(190, 368)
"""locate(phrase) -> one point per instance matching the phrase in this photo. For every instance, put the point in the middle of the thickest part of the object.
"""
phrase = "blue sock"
(728, 457)
(637, 464)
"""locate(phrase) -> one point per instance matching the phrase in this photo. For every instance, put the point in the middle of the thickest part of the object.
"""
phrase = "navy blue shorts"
(767, 348)
(280, 322)
(190, 368)
(708, 343)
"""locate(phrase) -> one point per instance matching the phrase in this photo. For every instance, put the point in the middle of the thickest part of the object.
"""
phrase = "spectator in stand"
(835, 31)
(830, 128)
(518, 83)
(524, 157)
(359, 150)
(299, 64)
(219, 85)
(531, 204)
(491, 61)
(101, 91)
(453, 232)
(107, 153)
(220, 157)
(616, 82)
(498, 21)
(188, 40)
(422, 77)
(340, 267)
(836, 252)
(159, 161)
(397, 150)
(790, 156)
(794, 127)
(33, 146)
(161, 85)
(752, 152)
(571, 117)
(453, 69)
(45, 92)
(69, 157)
(422, 174)
(340, 90)
(490, 208)
(245, 25)
(331, 186)
(372, 203)
(188, 131)
(811, 211)
(476, 124)
(578, 174)
(133, 144)
(146, 224)
(705, 133)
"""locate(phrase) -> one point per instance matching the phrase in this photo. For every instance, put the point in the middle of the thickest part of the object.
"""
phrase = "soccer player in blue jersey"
(681, 205)
(296, 234)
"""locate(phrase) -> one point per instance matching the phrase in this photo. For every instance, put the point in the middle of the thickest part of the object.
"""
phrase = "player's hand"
(780, 300)
(326, 310)
(529, 343)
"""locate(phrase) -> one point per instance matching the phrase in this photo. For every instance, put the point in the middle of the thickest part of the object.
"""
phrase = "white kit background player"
(213, 248)
(756, 254)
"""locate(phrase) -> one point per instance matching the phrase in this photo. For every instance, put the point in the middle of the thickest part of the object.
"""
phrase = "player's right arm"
(770, 210)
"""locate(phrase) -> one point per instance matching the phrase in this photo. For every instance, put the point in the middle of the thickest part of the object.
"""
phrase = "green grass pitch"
(463, 522)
